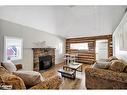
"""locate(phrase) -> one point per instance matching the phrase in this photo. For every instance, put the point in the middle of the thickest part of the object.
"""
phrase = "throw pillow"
(103, 60)
(101, 65)
(112, 58)
(9, 66)
(30, 78)
(117, 65)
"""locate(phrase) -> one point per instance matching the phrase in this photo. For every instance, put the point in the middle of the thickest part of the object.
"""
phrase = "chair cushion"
(53, 82)
(30, 78)
(9, 66)
(117, 65)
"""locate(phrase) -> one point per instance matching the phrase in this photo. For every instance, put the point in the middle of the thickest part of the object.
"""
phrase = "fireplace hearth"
(45, 62)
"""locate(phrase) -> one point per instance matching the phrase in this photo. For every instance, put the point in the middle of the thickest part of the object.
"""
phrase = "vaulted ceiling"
(66, 21)
(81, 21)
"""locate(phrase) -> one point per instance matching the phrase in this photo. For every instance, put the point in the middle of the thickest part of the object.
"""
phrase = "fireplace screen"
(45, 62)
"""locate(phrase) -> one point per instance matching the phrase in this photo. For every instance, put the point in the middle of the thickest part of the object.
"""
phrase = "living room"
(62, 35)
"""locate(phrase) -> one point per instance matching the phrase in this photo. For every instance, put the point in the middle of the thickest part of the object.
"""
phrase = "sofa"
(17, 82)
(112, 77)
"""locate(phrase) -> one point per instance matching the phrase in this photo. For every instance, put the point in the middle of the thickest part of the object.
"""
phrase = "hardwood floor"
(78, 83)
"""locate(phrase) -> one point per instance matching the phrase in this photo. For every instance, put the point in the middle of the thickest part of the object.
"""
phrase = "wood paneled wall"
(88, 56)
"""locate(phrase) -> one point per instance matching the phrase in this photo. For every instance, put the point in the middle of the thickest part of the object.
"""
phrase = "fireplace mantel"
(38, 52)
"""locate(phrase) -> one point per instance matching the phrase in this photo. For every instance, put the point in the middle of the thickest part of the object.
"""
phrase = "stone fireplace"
(43, 58)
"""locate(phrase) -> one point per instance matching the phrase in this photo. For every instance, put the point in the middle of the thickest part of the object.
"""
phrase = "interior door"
(101, 49)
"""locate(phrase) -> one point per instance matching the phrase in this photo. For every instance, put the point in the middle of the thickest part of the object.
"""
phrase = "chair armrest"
(18, 66)
(15, 81)
(51, 83)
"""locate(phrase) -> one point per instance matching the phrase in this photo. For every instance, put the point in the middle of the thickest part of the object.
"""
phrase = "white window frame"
(5, 47)
(79, 48)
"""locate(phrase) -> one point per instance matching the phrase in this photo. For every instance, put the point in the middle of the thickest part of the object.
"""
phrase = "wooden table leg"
(81, 68)
(74, 74)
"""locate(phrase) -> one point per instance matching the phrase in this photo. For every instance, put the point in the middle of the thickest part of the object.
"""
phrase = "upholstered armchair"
(18, 83)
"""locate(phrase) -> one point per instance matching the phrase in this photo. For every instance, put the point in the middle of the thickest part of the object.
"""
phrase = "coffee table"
(67, 73)
(74, 66)
(70, 69)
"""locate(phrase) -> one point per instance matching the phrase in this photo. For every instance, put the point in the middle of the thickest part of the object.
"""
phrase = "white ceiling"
(88, 20)
(66, 21)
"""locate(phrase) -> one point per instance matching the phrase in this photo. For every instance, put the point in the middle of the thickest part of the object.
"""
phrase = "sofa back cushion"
(117, 65)
(9, 66)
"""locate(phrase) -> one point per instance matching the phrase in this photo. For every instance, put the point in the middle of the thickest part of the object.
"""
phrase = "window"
(60, 48)
(79, 46)
(13, 48)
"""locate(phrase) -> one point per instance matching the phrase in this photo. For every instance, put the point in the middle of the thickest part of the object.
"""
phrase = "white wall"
(30, 36)
(119, 39)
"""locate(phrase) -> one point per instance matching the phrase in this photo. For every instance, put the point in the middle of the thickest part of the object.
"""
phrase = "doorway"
(101, 49)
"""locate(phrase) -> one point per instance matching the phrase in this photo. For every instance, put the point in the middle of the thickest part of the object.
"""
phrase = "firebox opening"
(45, 62)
